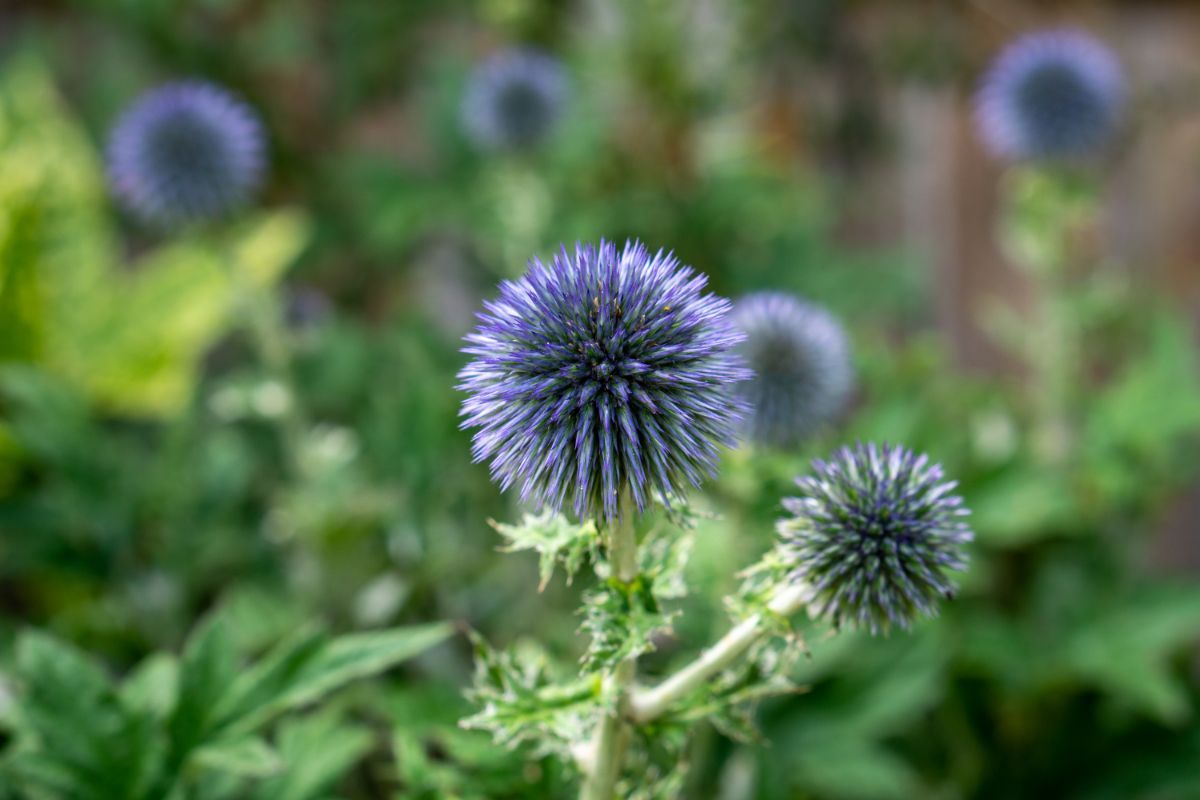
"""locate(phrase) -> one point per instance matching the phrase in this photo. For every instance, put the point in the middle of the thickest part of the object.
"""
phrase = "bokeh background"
(1033, 330)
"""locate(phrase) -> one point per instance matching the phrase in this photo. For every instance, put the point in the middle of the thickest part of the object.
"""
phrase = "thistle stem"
(612, 733)
(260, 313)
(649, 704)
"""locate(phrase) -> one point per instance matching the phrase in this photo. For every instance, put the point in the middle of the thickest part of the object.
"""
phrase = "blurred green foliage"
(148, 473)
(130, 339)
(189, 727)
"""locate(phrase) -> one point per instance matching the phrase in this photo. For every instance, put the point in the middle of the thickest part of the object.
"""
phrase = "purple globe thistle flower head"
(872, 536)
(801, 361)
(602, 371)
(514, 99)
(1051, 94)
(184, 152)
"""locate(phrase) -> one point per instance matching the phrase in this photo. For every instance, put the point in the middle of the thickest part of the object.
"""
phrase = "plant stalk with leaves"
(602, 764)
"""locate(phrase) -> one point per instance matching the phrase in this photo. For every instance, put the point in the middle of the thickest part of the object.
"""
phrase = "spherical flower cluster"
(184, 152)
(873, 534)
(1051, 94)
(514, 99)
(602, 371)
(801, 362)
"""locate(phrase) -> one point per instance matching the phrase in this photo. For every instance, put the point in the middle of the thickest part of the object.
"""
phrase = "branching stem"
(649, 704)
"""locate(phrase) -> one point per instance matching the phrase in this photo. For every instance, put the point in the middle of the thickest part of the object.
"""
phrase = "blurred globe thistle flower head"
(872, 536)
(1051, 94)
(513, 100)
(800, 356)
(184, 152)
(602, 371)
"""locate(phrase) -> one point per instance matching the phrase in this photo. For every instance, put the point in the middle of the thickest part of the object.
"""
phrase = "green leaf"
(315, 752)
(261, 685)
(621, 618)
(882, 687)
(556, 540)
(247, 757)
(77, 738)
(520, 703)
(1127, 649)
(21, 322)
(153, 686)
(663, 560)
(1022, 505)
(854, 769)
(207, 669)
(1145, 422)
(621, 621)
(305, 669)
(436, 757)
(49, 666)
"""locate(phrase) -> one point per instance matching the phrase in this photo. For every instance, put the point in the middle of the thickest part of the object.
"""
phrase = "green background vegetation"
(195, 545)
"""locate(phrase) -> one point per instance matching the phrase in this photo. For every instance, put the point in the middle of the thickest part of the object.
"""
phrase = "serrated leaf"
(621, 621)
(557, 541)
(656, 767)
(520, 703)
(663, 561)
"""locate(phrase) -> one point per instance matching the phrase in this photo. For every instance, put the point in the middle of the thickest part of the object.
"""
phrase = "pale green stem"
(603, 767)
(649, 704)
(261, 314)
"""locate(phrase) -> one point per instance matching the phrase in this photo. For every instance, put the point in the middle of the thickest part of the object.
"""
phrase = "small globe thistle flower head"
(185, 152)
(1051, 94)
(800, 357)
(600, 372)
(872, 536)
(514, 99)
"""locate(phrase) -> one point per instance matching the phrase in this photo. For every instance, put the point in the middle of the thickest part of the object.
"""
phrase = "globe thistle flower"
(801, 362)
(514, 99)
(873, 534)
(602, 371)
(1049, 95)
(184, 152)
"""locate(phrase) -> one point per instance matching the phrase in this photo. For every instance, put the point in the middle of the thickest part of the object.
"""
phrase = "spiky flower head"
(872, 536)
(801, 362)
(602, 371)
(514, 99)
(1051, 94)
(184, 152)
